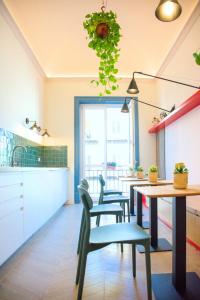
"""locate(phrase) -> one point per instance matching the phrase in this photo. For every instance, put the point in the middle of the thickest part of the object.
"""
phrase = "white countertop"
(29, 169)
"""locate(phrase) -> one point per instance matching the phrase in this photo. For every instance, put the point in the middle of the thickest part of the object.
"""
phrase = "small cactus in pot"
(139, 172)
(180, 176)
(153, 173)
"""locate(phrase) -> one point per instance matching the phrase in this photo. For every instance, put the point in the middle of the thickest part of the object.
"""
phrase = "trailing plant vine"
(104, 36)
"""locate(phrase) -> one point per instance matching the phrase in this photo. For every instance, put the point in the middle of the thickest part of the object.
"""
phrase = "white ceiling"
(53, 30)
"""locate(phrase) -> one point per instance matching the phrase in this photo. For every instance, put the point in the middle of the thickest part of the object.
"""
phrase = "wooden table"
(162, 284)
(129, 180)
(140, 182)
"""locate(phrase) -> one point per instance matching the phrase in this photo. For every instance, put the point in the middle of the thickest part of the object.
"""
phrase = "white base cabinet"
(28, 199)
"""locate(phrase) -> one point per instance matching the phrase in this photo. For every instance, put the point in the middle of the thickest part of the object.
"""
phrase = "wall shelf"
(180, 111)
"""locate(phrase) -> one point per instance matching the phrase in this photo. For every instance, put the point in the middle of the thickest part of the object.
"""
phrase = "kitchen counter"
(29, 198)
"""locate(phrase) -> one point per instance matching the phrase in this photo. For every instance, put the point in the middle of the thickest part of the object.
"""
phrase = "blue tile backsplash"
(35, 156)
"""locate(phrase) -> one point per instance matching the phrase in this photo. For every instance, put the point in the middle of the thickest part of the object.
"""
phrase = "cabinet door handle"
(21, 184)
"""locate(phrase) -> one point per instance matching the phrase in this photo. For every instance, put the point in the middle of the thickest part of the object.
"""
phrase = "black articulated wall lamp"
(133, 88)
(125, 108)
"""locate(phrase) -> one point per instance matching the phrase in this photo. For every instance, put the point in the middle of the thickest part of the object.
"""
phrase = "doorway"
(104, 141)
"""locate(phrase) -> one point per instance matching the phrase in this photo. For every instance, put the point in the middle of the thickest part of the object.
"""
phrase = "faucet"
(13, 152)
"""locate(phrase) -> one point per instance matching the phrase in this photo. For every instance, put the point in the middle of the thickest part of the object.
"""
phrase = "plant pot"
(180, 181)
(140, 175)
(153, 176)
(102, 30)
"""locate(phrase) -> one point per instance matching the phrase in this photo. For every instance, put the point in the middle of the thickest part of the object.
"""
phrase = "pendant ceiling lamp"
(168, 10)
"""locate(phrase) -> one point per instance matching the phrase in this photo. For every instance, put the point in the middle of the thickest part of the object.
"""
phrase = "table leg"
(140, 222)
(157, 245)
(179, 243)
(153, 207)
(139, 209)
(175, 286)
(132, 202)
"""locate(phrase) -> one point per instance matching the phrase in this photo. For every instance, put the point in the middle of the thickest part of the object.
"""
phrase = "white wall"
(59, 115)
(183, 144)
(182, 136)
(21, 92)
(181, 66)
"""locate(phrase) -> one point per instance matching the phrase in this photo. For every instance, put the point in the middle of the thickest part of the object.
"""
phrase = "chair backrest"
(102, 184)
(85, 183)
(101, 180)
(88, 204)
(85, 197)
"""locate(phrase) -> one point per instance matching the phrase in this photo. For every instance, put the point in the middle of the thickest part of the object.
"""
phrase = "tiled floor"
(44, 268)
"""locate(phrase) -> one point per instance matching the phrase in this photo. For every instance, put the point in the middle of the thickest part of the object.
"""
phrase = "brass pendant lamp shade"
(168, 10)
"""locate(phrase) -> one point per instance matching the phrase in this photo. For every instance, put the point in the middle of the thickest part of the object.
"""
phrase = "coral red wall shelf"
(183, 109)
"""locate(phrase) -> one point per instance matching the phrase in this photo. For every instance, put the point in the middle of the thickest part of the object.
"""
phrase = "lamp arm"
(166, 79)
(151, 105)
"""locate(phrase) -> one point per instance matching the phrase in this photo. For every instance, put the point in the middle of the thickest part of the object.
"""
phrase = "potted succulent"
(180, 176)
(104, 36)
(139, 172)
(153, 173)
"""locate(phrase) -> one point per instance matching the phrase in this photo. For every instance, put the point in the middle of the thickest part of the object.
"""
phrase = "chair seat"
(111, 192)
(121, 232)
(111, 199)
(108, 208)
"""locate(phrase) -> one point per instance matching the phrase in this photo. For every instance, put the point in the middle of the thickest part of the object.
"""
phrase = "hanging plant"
(197, 57)
(104, 36)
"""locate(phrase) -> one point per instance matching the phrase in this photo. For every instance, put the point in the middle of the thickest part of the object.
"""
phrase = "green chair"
(100, 209)
(103, 236)
(109, 199)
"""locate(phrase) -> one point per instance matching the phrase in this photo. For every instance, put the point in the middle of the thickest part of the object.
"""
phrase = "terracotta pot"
(102, 30)
(153, 176)
(140, 175)
(180, 181)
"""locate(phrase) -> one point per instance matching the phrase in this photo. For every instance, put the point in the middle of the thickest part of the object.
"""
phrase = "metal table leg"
(157, 245)
(132, 202)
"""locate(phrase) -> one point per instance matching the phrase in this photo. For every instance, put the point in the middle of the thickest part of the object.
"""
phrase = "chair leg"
(128, 211)
(120, 220)
(134, 260)
(80, 233)
(82, 237)
(82, 247)
(98, 221)
(148, 270)
(124, 210)
(82, 272)
(117, 219)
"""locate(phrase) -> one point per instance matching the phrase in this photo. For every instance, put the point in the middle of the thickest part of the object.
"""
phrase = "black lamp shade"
(168, 10)
(125, 108)
(133, 89)
(34, 126)
(46, 134)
